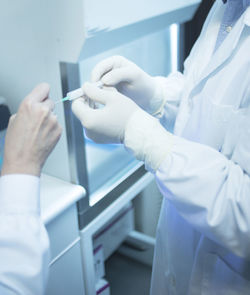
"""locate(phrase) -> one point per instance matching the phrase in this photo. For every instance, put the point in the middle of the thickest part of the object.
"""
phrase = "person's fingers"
(95, 93)
(39, 93)
(49, 104)
(57, 128)
(109, 88)
(83, 112)
(116, 76)
(101, 69)
(105, 66)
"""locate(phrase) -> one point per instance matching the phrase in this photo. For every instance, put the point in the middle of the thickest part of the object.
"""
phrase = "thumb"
(82, 111)
(95, 93)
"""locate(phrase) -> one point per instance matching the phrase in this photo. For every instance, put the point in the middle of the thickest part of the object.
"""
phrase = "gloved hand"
(31, 135)
(106, 124)
(131, 81)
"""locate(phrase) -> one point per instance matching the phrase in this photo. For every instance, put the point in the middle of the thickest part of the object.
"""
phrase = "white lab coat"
(203, 236)
(24, 244)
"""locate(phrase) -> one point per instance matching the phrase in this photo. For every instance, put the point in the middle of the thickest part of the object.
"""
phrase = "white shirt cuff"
(159, 100)
(168, 91)
(19, 194)
(148, 140)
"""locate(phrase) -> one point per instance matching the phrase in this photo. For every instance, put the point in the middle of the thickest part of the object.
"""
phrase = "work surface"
(57, 196)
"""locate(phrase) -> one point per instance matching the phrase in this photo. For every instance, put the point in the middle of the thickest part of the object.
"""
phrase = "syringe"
(77, 93)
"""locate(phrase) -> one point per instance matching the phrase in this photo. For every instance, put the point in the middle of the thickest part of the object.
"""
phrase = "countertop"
(57, 195)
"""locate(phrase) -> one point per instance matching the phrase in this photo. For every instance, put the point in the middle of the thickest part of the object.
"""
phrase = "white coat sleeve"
(24, 243)
(209, 190)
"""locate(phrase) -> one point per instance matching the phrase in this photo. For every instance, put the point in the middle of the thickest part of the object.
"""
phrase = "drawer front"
(63, 231)
(66, 276)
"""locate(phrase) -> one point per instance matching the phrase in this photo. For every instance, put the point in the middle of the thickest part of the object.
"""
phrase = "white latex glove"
(31, 135)
(106, 124)
(131, 81)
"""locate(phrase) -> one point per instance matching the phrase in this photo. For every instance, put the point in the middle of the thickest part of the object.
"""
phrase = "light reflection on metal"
(174, 43)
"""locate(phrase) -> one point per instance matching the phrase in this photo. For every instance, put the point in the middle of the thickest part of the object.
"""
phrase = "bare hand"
(32, 134)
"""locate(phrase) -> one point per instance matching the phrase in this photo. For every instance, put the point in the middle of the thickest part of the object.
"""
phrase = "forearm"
(24, 242)
(208, 190)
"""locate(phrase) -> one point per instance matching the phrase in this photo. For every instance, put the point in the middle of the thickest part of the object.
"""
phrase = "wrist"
(18, 168)
(147, 140)
(157, 101)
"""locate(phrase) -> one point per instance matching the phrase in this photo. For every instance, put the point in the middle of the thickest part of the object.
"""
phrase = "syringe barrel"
(75, 94)
(79, 92)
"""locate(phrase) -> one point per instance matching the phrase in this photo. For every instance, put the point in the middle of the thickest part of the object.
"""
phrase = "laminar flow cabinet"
(59, 42)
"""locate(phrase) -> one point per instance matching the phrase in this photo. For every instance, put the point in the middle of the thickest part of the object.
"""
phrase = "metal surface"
(112, 196)
(111, 39)
(75, 139)
(65, 274)
(57, 196)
